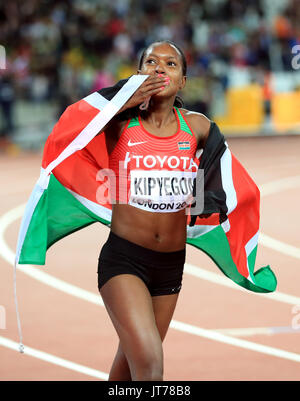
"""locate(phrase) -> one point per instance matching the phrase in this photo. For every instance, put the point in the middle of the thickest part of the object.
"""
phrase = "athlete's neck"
(159, 113)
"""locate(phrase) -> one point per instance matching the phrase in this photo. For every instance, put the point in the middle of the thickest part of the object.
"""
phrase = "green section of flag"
(35, 242)
(251, 262)
(57, 214)
(215, 244)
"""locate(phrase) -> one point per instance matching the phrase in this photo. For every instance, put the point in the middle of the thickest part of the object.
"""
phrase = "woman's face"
(164, 58)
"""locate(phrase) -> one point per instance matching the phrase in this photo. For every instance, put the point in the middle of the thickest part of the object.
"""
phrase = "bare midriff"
(162, 232)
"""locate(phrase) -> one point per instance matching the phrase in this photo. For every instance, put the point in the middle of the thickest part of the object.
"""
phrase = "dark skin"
(141, 320)
(164, 232)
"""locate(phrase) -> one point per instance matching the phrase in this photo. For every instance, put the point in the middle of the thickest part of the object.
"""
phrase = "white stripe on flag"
(198, 230)
(101, 119)
(96, 100)
(35, 196)
(251, 244)
(226, 226)
(227, 181)
(95, 208)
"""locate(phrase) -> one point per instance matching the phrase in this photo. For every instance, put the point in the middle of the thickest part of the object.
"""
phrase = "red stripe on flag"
(244, 219)
(79, 171)
(74, 119)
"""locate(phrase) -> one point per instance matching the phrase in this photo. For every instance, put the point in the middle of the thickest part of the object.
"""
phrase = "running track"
(218, 332)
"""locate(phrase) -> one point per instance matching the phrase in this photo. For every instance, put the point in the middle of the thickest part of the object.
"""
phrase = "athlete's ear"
(183, 82)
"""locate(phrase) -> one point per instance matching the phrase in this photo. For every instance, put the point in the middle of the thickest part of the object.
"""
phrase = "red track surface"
(81, 332)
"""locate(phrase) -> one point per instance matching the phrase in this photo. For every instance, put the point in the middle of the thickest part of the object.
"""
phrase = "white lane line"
(254, 331)
(217, 278)
(8, 255)
(271, 188)
(7, 343)
(280, 185)
(236, 342)
(279, 246)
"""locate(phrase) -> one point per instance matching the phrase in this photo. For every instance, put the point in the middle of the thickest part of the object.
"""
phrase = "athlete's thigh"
(129, 305)
(164, 307)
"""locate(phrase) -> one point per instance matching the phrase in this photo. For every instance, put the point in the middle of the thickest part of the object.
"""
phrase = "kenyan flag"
(64, 198)
(228, 228)
(71, 192)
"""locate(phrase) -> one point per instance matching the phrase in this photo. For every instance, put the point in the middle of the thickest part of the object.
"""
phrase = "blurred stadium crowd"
(58, 51)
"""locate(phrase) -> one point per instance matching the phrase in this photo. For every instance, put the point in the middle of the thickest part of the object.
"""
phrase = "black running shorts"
(160, 271)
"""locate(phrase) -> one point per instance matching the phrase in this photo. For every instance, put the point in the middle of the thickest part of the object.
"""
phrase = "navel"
(157, 237)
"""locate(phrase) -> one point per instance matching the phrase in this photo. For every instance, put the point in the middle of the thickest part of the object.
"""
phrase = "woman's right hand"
(151, 86)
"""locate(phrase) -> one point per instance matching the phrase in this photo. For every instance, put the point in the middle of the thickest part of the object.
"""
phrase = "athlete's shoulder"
(115, 127)
(199, 123)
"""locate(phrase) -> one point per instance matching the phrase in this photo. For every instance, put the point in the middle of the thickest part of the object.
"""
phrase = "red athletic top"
(154, 173)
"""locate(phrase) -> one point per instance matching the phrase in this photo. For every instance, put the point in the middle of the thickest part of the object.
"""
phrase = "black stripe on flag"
(214, 194)
(111, 91)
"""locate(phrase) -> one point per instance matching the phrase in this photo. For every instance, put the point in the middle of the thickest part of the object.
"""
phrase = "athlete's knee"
(149, 370)
(120, 370)
(148, 364)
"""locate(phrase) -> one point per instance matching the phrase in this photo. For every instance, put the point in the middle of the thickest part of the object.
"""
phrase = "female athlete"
(141, 264)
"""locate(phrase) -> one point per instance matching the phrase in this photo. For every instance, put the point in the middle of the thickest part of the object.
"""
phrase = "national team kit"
(154, 173)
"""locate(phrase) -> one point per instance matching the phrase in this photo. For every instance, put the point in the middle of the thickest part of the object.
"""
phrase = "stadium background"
(239, 59)
(242, 74)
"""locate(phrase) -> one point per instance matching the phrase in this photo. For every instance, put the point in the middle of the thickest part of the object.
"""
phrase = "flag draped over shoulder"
(72, 180)
(228, 228)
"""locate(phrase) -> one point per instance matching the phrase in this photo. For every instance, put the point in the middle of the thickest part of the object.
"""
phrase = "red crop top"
(154, 173)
